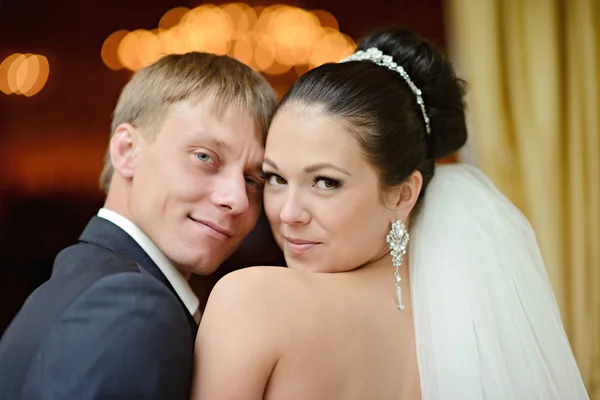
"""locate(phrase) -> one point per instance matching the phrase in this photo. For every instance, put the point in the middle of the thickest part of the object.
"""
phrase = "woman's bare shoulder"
(262, 300)
(260, 284)
(242, 332)
(270, 294)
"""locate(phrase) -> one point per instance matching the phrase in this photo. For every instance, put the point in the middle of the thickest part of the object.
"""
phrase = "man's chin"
(204, 262)
(204, 270)
(188, 269)
(202, 266)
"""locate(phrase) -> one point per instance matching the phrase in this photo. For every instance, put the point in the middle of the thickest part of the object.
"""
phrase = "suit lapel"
(104, 233)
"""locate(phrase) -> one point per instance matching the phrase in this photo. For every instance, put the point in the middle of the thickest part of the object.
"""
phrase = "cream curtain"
(533, 70)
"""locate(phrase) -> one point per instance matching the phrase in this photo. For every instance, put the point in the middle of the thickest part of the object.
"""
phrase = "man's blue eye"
(204, 157)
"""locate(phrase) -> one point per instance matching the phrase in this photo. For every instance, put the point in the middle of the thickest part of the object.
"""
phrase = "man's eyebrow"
(221, 144)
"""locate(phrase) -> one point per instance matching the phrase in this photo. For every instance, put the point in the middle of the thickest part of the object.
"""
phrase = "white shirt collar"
(173, 275)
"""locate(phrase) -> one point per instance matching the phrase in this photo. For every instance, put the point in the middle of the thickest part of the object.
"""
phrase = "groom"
(117, 319)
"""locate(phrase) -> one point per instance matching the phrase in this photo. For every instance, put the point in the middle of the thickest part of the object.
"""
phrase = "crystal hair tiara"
(376, 56)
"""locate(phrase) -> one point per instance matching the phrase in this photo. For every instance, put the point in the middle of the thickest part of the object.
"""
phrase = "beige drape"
(533, 70)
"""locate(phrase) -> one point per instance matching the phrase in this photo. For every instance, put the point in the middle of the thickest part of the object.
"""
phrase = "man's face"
(196, 189)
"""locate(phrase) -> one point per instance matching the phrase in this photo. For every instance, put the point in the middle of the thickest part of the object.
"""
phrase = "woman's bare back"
(346, 339)
(281, 334)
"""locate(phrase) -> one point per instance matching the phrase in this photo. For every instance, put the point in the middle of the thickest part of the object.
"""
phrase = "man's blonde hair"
(147, 97)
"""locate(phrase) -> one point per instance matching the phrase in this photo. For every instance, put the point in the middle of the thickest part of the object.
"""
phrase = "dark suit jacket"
(106, 325)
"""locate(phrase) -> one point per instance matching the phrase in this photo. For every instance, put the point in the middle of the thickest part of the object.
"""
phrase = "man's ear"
(406, 195)
(123, 148)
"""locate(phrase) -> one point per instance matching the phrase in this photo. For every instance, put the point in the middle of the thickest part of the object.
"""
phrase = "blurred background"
(533, 70)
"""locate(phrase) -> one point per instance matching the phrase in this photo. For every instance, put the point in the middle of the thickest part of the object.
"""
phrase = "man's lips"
(217, 228)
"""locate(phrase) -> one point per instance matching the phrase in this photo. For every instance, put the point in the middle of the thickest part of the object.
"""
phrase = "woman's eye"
(326, 183)
(274, 179)
(204, 157)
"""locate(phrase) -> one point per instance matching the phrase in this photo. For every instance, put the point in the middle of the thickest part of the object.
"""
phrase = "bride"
(401, 284)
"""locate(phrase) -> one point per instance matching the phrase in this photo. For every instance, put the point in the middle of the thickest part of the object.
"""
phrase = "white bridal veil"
(487, 323)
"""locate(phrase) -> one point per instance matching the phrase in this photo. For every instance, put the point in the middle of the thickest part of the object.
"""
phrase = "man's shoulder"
(118, 335)
(81, 272)
(76, 269)
(77, 258)
(89, 294)
(136, 302)
(85, 273)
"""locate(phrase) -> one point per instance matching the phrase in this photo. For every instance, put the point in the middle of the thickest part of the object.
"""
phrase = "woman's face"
(321, 196)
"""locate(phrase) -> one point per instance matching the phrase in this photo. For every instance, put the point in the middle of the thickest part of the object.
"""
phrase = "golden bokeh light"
(110, 48)
(209, 29)
(331, 47)
(243, 17)
(128, 49)
(277, 68)
(326, 19)
(23, 74)
(174, 40)
(265, 16)
(16, 73)
(27, 74)
(150, 48)
(243, 50)
(264, 54)
(272, 39)
(172, 17)
(294, 32)
(4, 67)
(42, 76)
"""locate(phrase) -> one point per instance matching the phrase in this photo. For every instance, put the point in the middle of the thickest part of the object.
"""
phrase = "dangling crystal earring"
(398, 240)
